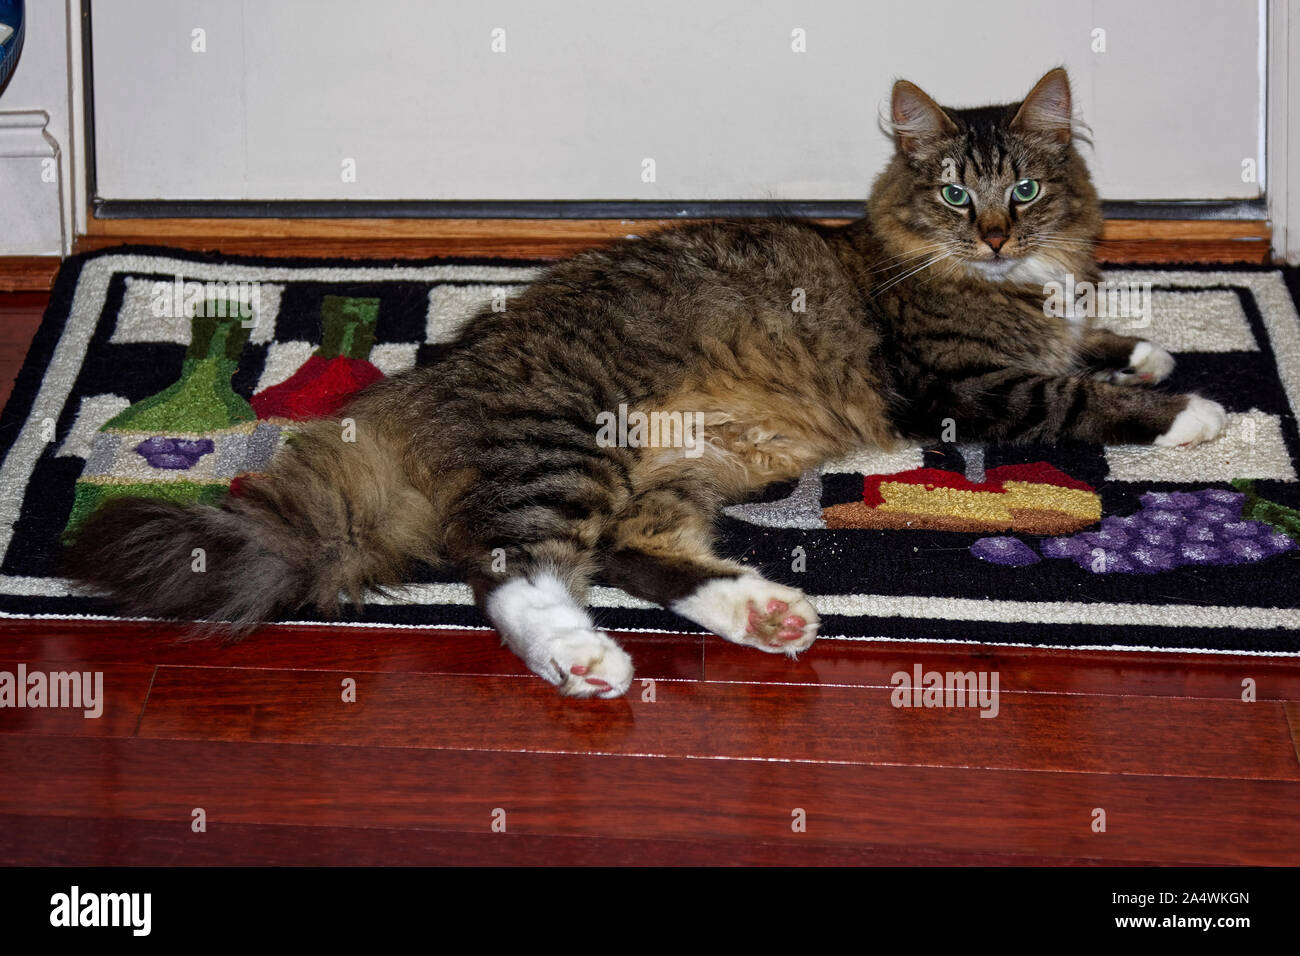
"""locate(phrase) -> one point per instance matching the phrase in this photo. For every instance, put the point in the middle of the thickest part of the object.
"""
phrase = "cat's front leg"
(1016, 406)
(1125, 359)
(1201, 420)
(1112, 414)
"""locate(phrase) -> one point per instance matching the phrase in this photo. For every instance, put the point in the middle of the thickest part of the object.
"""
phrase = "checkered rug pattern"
(175, 374)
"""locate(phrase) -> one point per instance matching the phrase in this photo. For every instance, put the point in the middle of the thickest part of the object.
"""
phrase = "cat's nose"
(996, 239)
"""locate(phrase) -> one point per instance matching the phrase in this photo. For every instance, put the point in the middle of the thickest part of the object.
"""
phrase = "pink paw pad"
(578, 670)
(792, 628)
(775, 626)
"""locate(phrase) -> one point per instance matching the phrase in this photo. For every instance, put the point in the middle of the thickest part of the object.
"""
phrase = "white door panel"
(288, 90)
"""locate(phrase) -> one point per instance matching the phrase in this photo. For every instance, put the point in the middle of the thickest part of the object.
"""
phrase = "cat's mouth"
(996, 268)
(1026, 268)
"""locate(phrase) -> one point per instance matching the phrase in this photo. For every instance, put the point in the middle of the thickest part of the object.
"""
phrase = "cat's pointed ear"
(916, 118)
(1046, 111)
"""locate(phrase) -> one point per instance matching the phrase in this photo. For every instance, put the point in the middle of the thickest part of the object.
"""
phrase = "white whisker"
(912, 257)
(925, 265)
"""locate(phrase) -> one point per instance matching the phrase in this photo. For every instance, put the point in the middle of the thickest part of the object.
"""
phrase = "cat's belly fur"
(772, 421)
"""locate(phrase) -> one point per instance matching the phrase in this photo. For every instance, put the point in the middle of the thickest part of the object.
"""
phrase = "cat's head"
(1000, 192)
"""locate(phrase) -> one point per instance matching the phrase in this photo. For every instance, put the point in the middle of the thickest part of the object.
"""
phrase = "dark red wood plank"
(1224, 821)
(20, 315)
(687, 656)
(1056, 670)
(744, 721)
(74, 841)
(124, 689)
(1292, 709)
(321, 647)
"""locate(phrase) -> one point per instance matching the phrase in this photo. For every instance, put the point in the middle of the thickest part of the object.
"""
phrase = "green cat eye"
(1025, 191)
(955, 196)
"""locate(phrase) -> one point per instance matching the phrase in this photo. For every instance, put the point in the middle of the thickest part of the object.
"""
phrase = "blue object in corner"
(11, 37)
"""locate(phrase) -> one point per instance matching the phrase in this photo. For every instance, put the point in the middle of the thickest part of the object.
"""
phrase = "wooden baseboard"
(376, 238)
(1185, 240)
(1123, 240)
(28, 273)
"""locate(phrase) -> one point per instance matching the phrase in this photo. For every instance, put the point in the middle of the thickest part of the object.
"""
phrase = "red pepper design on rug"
(335, 372)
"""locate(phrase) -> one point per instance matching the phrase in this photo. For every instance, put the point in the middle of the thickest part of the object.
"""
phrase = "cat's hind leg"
(749, 609)
(527, 550)
(540, 619)
(660, 549)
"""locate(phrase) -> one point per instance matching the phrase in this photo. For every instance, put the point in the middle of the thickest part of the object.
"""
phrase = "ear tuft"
(917, 119)
(1047, 110)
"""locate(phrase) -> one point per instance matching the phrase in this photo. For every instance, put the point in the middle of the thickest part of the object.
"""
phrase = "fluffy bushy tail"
(330, 517)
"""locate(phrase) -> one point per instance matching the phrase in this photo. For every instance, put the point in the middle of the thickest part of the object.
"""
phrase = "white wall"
(710, 89)
(35, 198)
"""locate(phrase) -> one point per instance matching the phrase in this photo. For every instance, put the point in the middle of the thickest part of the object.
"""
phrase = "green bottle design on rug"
(202, 400)
(186, 442)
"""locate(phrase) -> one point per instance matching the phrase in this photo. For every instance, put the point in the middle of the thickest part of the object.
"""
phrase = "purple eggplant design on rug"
(1173, 529)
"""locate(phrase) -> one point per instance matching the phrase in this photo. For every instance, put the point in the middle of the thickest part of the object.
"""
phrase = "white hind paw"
(1201, 420)
(754, 611)
(540, 621)
(588, 664)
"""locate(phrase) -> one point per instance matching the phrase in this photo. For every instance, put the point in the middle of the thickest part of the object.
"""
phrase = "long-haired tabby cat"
(929, 308)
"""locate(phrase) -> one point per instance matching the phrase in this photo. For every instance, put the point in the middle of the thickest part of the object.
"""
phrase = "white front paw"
(1150, 363)
(1200, 421)
(1147, 364)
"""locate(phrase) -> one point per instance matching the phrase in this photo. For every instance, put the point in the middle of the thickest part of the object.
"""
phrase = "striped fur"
(490, 461)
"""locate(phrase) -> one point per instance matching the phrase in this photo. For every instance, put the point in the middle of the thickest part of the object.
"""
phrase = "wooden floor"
(712, 758)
